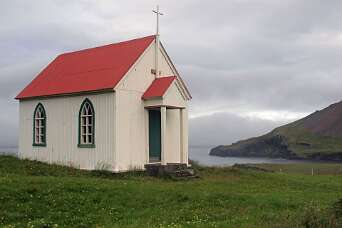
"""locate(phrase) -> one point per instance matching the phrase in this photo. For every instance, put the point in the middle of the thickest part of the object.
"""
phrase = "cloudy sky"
(251, 65)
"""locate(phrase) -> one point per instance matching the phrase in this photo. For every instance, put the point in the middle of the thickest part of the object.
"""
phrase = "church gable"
(139, 76)
(173, 97)
(142, 74)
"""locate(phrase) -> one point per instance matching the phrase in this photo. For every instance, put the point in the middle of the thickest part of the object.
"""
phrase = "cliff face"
(317, 136)
(266, 146)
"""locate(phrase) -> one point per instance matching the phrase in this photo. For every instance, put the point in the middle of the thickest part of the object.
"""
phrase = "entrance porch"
(166, 122)
(166, 142)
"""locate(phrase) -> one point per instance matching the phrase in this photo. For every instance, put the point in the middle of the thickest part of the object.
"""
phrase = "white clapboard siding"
(62, 132)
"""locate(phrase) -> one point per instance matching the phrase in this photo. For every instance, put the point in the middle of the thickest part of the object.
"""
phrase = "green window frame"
(86, 125)
(39, 126)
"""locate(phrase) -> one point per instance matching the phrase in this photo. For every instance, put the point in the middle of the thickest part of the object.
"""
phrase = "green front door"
(154, 135)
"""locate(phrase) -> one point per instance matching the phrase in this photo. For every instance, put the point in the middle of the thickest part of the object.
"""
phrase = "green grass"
(34, 194)
(304, 168)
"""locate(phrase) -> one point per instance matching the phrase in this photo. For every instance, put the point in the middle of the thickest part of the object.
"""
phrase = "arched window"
(39, 126)
(86, 136)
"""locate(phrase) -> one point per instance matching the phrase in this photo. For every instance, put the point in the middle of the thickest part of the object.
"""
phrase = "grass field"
(34, 194)
(309, 168)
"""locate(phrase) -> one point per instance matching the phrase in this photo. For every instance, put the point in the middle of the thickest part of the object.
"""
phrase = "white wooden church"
(116, 107)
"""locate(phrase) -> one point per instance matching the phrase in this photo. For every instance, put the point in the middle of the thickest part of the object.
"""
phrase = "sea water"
(201, 155)
(9, 151)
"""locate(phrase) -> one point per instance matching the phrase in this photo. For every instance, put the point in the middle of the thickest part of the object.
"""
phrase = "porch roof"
(158, 87)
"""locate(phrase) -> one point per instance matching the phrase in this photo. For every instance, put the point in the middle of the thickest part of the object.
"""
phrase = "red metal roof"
(158, 87)
(91, 69)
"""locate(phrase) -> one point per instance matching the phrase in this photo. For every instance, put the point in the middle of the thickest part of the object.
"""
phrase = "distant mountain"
(317, 136)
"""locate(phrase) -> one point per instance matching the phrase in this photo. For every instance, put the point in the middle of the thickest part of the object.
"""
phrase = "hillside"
(34, 194)
(317, 136)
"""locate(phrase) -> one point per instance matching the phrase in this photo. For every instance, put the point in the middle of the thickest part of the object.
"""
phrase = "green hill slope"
(317, 136)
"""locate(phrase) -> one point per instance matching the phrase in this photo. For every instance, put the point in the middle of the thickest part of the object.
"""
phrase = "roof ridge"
(106, 45)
